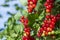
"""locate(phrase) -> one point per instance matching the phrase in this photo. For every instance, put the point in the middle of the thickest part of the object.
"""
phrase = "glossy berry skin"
(25, 38)
(34, 1)
(49, 29)
(38, 34)
(27, 31)
(48, 26)
(24, 21)
(31, 5)
(48, 10)
(46, 4)
(49, 5)
(29, 10)
(48, 16)
(26, 28)
(28, 38)
(46, 33)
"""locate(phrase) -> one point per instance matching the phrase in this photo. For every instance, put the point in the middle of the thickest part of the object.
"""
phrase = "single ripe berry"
(49, 29)
(39, 34)
(31, 2)
(29, 10)
(46, 33)
(45, 28)
(27, 30)
(46, 4)
(34, 5)
(48, 10)
(30, 6)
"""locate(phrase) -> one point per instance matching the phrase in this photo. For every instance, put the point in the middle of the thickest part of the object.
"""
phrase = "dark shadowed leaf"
(5, 5)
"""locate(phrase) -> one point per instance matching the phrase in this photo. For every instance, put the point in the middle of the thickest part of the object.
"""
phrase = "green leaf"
(17, 8)
(5, 32)
(10, 13)
(17, 15)
(57, 0)
(13, 35)
(42, 15)
(40, 6)
(18, 28)
(9, 38)
(11, 21)
(32, 18)
(1, 35)
(25, 13)
(11, 26)
(24, 3)
(5, 5)
(57, 31)
(49, 38)
(37, 38)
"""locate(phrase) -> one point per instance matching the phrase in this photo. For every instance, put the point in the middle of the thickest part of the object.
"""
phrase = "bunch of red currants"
(48, 26)
(24, 21)
(31, 5)
(49, 5)
(27, 29)
(28, 38)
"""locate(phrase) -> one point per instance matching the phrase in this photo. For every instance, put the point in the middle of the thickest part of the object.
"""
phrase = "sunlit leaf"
(18, 28)
(18, 15)
(23, 2)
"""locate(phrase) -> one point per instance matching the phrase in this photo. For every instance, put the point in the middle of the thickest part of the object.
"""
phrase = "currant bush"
(41, 22)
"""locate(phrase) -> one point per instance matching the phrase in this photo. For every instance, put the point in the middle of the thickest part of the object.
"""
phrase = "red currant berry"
(48, 16)
(30, 2)
(46, 4)
(25, 38)
(48, 10)
(49, 29)
(45, 28)
(29, 10)
(34, 5)
(51, 26)
(41, 30)
(39, 34)
(46, 33)
(30, 7)
(45, 21)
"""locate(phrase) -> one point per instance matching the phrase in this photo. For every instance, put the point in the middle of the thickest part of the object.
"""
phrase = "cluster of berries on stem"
(27, 29)
(31, 5)
(49, 5)
(48, 26)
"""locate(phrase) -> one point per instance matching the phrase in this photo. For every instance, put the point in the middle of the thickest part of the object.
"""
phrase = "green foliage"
(24, 3)
(14, 30)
